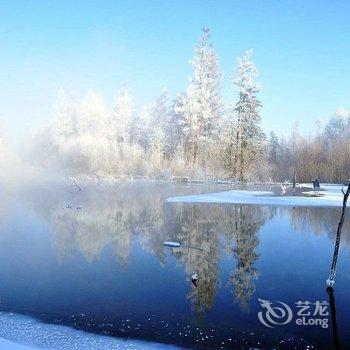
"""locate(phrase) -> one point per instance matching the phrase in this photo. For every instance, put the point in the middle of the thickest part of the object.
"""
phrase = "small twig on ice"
(75, 184)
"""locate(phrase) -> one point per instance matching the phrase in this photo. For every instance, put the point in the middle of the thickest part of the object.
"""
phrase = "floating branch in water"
(178, 245)
(172, 244)
(193, 247)
(331, 279)
(194, 279)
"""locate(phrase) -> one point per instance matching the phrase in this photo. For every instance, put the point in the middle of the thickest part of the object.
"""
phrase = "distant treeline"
(194, 135)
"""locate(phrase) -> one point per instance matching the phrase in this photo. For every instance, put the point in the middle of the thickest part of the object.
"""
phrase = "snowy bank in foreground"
(330, 196)
(16, 330)
(9, 345)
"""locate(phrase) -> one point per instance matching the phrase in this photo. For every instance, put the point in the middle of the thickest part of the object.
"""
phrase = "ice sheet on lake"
(330, 196)
(16, 330)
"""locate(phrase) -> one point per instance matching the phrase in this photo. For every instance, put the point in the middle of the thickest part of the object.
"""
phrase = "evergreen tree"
(249, 138)
(201, 107)
(273, 148)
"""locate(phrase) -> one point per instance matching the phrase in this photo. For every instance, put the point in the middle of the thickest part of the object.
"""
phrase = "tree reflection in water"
(318, 221)
(198, 227)
(115, 215)
(247, 221)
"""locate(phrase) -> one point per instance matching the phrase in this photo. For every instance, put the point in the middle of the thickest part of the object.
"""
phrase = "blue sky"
(300, 47)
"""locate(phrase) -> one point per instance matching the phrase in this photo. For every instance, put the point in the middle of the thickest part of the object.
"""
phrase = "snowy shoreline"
(9, 345)
(330, 195)
(18, 332)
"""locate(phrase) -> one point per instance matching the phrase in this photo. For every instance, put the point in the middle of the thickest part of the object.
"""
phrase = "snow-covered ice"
(9, 345)
(330, 196)
(19, 332)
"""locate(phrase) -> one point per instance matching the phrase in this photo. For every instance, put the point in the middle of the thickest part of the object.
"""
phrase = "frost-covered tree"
(273, 148)
(121, 115)
(160, 119)
(93, 130)
(274, 154)
(93, 115)
(152, 124)
(65, 120)
(157, 141)
(339, 123)
(188, 127)
(161, 109)
(249, 138)
(201, 107)
(64, 132)
(174, 129)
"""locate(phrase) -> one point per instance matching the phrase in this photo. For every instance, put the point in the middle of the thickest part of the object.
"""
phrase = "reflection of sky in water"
(103, 268)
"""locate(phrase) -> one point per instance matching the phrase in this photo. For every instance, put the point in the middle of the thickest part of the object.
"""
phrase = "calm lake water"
(95, 260)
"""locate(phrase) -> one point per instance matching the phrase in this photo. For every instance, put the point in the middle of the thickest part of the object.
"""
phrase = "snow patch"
(9, 345)
(19, 332)
(329, 196)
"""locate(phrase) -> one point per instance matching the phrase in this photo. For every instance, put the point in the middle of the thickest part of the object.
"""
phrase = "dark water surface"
(95, 260)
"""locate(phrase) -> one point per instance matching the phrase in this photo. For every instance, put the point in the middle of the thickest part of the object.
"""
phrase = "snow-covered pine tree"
(274, 154)
(249, 138)
(201, 108)
(273, 148)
